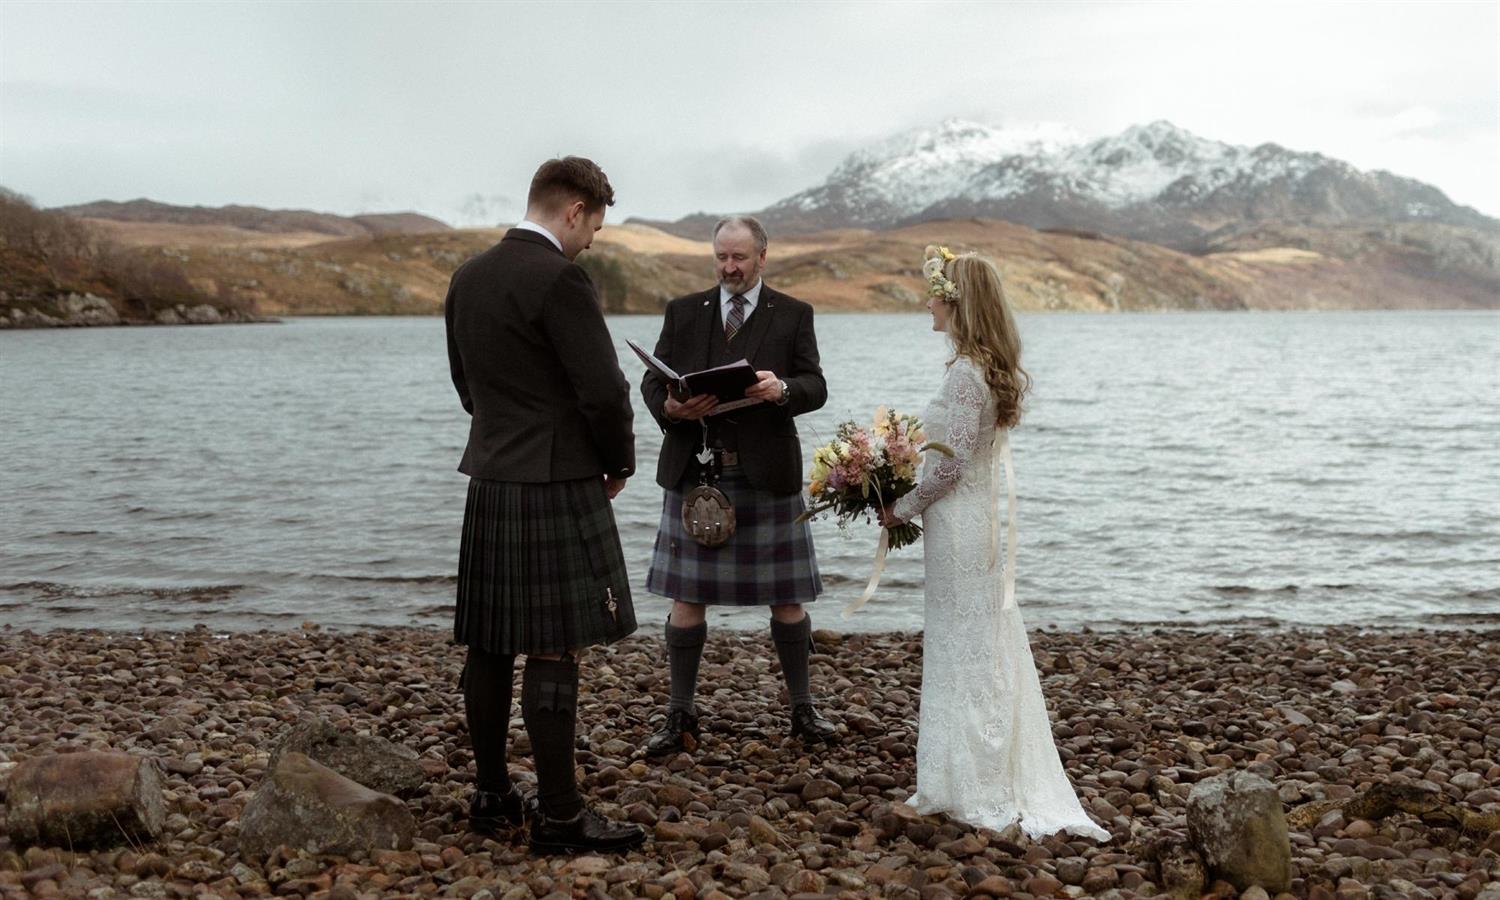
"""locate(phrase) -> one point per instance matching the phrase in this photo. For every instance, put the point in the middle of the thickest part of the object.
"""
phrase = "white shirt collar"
(752, 297)
(529, 225)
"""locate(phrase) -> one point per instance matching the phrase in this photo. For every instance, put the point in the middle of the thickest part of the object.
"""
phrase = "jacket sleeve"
(573, 321)
(653, 387)
(455, 359)
(966, 394)
(807, 390)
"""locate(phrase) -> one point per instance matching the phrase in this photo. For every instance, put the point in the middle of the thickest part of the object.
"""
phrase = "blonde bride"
(984, 748)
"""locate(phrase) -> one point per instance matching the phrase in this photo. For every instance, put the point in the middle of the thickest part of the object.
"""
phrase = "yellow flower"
(815, 488)
(819, 470)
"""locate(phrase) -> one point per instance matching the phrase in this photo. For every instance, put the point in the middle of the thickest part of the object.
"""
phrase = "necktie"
(736, 317)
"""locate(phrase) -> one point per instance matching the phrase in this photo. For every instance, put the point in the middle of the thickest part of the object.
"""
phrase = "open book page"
(662, 370)
(728, 382)
(733, 404)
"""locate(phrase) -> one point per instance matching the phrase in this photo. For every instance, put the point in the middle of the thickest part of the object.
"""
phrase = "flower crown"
(938, 284)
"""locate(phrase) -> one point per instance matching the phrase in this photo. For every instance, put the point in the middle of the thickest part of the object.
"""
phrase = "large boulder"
(91, 799)
(1236, 823)
(374, 762)
(308, 806)
(202, 314)
(87, 309)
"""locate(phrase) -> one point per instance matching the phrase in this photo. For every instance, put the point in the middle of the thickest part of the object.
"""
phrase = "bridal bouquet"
(867, 467)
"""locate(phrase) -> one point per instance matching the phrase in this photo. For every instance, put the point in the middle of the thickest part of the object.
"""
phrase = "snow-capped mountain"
(902, 175)
(1154, 182)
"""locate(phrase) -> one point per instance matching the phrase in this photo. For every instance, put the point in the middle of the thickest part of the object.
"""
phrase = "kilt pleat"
(769, 561)
(538, 565)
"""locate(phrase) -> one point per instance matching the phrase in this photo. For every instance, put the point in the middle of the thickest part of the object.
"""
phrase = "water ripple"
(256, 477)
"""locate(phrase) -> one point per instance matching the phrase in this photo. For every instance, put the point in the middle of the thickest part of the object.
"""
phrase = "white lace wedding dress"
(984, 747)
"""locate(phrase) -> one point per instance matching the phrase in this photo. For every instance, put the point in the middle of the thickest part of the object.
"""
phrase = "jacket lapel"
(760, 321)
(708, 310)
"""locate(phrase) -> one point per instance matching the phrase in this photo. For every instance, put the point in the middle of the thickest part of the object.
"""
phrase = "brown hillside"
(173, 234)
(55, 270)
(638, 268)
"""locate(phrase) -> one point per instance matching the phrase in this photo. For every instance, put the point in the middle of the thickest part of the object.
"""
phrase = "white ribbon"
(1001, 465)
(880, 551)
(1003, 458)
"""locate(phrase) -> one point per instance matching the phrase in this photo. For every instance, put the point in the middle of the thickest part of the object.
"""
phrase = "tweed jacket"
(778, 336)
(534, 364)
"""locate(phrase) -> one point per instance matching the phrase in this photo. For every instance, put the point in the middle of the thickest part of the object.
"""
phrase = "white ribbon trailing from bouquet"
(1001, 464)
(881, 550)
(1002, 459)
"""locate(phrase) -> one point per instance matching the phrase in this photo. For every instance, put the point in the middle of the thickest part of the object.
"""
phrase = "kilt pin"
(540, 569)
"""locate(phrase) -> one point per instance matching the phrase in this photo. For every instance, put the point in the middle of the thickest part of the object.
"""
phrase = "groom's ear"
(575, 213)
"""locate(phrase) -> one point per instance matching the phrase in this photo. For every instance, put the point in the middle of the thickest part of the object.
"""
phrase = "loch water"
(1197, 470)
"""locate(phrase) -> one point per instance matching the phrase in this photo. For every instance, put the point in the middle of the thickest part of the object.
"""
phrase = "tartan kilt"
(769, 560)
(537, 567)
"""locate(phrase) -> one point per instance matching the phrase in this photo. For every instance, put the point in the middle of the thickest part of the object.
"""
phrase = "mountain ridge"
(1154, 182)
(256, 218)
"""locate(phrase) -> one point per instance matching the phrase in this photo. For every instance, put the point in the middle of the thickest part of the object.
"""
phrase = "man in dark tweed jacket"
(755, 454)
(540, 570)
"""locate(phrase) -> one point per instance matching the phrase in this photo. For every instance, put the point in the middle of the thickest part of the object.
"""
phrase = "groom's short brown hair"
(571, 178)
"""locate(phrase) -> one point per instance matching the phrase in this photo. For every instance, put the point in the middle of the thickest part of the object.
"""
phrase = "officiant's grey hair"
(749, 223)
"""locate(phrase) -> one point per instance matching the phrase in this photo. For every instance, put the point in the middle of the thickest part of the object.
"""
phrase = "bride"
(984, 747)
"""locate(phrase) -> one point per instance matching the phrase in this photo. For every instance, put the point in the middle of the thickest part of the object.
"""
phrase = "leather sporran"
(708, 516)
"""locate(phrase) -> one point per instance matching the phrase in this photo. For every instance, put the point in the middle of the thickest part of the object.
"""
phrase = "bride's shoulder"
(964, 383)
(964, 369)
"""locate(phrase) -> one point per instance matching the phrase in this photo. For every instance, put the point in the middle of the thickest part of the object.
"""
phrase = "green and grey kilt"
(540, 570)
(769, 561)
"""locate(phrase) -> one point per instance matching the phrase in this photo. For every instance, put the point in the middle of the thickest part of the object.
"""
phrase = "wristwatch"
(786, 391)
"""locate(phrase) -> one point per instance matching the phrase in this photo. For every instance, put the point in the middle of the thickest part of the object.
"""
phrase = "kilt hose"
(540, 570)
(769, 561)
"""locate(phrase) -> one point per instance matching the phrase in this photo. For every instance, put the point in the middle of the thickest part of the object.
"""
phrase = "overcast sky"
(447, 108)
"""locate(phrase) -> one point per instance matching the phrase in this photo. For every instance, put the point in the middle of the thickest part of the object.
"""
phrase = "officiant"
(732, 480)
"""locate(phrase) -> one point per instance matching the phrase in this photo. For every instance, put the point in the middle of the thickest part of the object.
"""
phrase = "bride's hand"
(887, 519)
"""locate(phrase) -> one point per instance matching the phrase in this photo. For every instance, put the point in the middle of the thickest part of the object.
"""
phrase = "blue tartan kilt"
(540, 569)
(768, 562)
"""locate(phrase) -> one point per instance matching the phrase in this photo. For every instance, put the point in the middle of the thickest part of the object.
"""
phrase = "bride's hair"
(983, 329)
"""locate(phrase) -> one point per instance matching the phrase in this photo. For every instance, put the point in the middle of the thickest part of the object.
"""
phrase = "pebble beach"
(1139, 718)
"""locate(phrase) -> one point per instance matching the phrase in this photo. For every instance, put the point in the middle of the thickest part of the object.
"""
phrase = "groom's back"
(514, 319)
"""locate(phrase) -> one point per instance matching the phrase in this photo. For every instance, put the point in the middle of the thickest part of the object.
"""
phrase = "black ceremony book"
(728, 383)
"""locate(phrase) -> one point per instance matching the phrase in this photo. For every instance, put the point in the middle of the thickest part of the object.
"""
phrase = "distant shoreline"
(76, 310)
(10, 325)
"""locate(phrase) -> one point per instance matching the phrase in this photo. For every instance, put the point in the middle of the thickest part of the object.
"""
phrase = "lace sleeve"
(965, 394)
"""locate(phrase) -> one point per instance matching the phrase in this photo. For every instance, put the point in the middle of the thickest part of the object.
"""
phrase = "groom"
(753, 456)
(540, 571)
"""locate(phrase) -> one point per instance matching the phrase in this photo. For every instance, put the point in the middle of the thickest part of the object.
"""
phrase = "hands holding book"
(711, 391)
(767, 388)
(691, 409)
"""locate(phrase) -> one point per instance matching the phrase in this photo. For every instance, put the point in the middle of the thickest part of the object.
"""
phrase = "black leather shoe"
(809, 726)
(587, 832)
(490, 812)
(669, 739)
